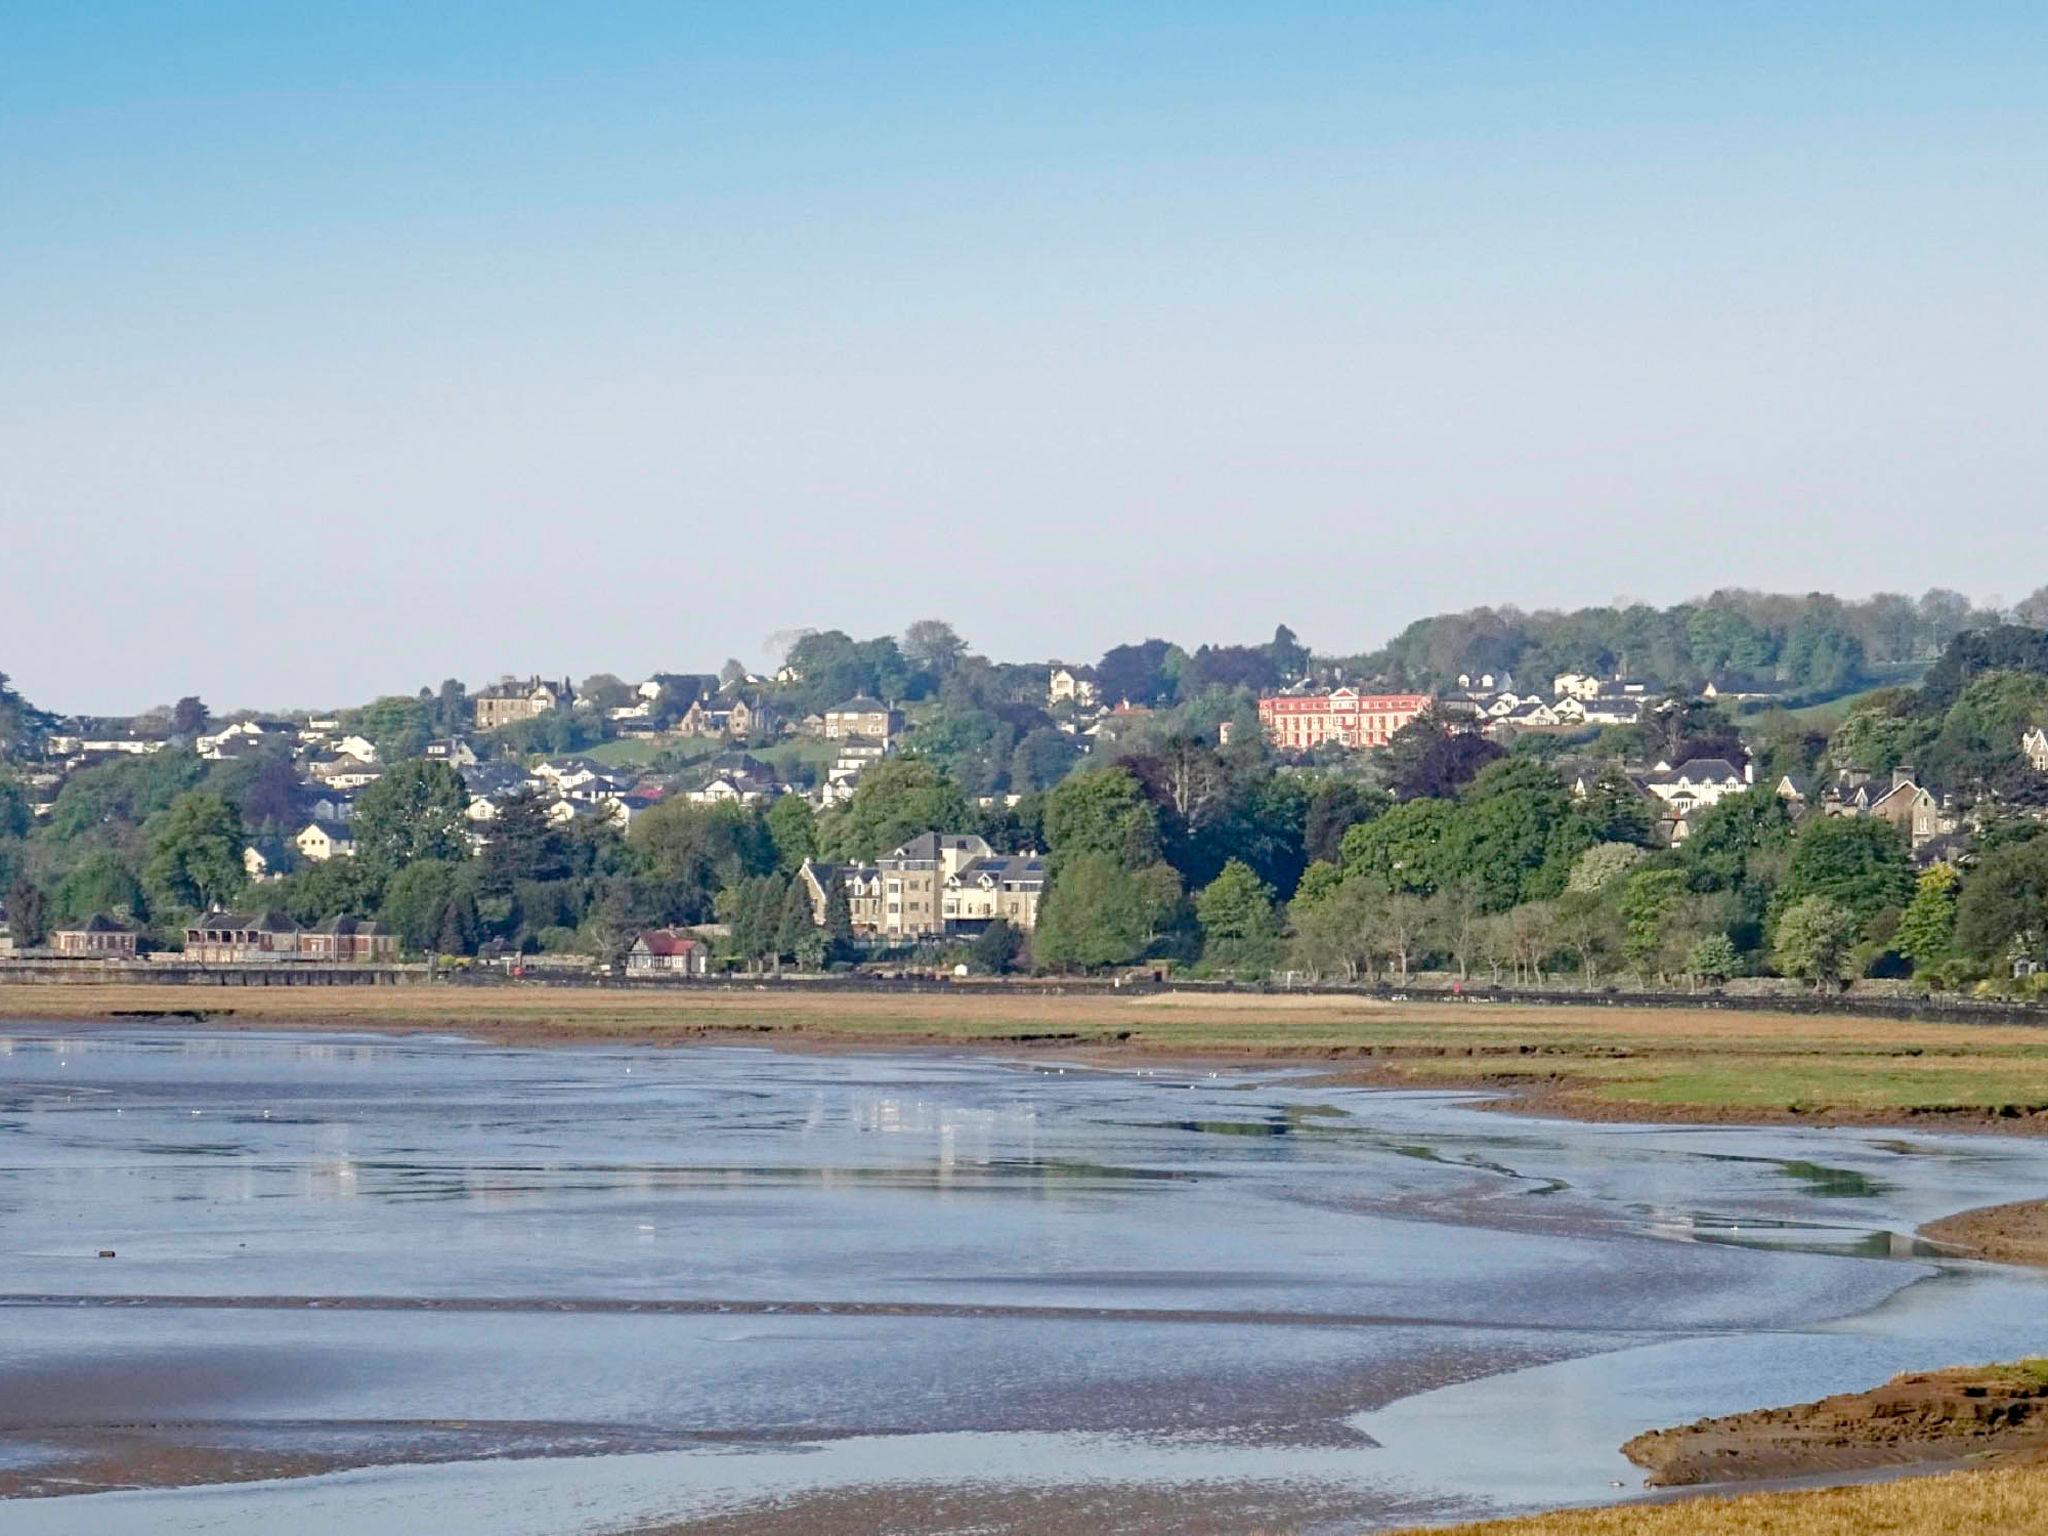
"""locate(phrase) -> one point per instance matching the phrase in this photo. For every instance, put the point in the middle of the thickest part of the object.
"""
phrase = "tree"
(931, 645)
(1713, 959)
(1603, 864)
(416, 902)
(897, 799)
(838, 924)
(1648, 898)
(1103, 812)
(1336, 806)
(28, 913)
(795, 924)
(1239, 930)
(1139, 673)
(1043, 758)
(1857, 862)
(996, 948)
(793, 830)
(460, 926)
(396, 725)
(188, 718)
(1587, 926)
(1532, 935)
(417, 810)
(753, 910)
(195, 852)
(2003, 911)
(1615, 810)
(2032, 610)
(695, 852)
(1335, 927)
(1431, 759)
(1454, 913)
(1927, 928)
(1098, 912)
(525, 843)
(103, 881)
(1815, 936)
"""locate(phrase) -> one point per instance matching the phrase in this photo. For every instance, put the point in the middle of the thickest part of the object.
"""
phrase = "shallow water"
(608, 1289)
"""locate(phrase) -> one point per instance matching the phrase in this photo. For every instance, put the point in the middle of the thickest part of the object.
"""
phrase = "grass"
(1595, 1061)
(2011, 1501)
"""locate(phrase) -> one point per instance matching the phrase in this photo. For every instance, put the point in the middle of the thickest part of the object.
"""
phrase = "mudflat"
(1922, 1418)
(2006, 1234)
(1590, 1062)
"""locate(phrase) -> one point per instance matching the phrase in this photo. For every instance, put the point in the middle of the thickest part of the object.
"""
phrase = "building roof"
(99, 922)
(927, 846)
(270, 920)
(859, 704)
(667, 941)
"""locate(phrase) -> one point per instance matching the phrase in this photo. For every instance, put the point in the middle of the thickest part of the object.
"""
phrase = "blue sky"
(348, 347)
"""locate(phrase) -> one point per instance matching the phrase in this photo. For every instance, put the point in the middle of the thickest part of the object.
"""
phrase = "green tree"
(1615, 810)
(1099, 912)
(1603, 864)
(1713, 959)
(416, 901)
(1648, 899)
(1588, 927)
(1857, 862)
(752, 909)
(525, 843)
(897, 799)
(793, 830)
(1239, 929)
(397, 725)
(932, 645)
(696, 852)
(417, 810)
(28, 911)
(1927, 928)
(103, 881)
(996, 948)
(838, 924)
(1815, 936)
(1102, 813)
(195, 852)
(2003, 911)
(794, 925)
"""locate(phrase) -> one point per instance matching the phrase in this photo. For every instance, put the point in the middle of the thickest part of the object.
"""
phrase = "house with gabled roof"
(99, 937)
(668, 952)
(2034, 747)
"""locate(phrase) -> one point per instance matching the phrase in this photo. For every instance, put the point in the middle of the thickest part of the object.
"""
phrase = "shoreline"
(1548, 1061)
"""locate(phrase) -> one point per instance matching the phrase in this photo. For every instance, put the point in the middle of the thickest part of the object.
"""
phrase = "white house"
(1075, 685)
(361, 748)
(2035, 745)
(1698, 782)
(319, 842)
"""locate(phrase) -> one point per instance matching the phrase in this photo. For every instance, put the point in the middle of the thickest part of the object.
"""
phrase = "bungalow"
(668, 952)
(241, 938)
(99, 936)
(349, 941)
(343, 773)
(320, 841)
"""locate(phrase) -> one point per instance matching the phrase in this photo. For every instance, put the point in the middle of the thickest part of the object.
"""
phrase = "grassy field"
(1596, 1062)
(2010, 1502)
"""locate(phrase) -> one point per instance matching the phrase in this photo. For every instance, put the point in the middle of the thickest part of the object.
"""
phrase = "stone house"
(863, 716)
(100, 937)
(936, 884)
(508, 702)
(2034, 746)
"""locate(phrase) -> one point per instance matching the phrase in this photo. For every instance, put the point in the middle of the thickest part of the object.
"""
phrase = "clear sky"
(349, 346)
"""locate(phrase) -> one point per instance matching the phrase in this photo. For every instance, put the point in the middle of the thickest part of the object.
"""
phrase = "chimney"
(1902, 775)
(1748, 770)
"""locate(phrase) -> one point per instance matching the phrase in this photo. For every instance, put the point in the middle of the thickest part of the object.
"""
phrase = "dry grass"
(1664, 1063)
(2008, 1502)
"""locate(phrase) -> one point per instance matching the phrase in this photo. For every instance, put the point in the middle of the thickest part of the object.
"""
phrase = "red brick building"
(1296, 722)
